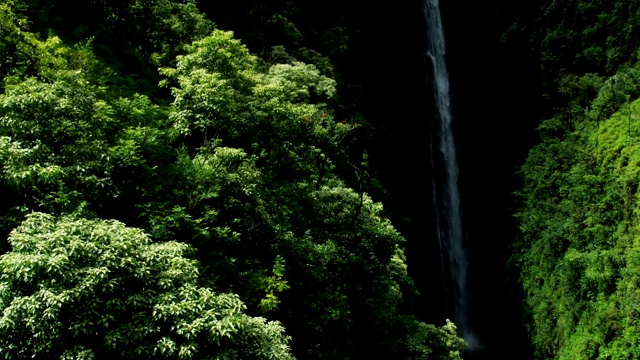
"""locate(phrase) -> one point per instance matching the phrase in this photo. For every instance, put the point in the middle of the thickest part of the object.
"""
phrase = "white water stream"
(447, 197)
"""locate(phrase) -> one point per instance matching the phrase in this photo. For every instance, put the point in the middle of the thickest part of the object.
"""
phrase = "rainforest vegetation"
(168, 193)
(578, 249)
(205, 180)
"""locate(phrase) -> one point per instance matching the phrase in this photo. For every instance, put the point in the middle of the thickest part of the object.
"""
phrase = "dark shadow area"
(494, 97)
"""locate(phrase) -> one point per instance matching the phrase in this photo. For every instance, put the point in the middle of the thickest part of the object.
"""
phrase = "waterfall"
(446, 198)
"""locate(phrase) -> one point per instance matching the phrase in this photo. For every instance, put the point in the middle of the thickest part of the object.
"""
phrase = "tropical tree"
(77, 288)
(298, 242)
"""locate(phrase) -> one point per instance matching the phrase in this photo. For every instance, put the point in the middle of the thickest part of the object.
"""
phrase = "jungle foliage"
(166, 193)
(577, 253)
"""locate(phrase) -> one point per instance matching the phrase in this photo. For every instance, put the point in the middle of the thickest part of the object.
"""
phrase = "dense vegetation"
(166, 193)
(578, 250)
(170, 189)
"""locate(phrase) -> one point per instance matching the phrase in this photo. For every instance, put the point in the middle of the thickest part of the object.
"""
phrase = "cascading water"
(446, 198)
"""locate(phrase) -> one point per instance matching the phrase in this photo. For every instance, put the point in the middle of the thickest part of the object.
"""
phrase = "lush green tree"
(97, 289)
(71, 143)
(132, 37)
(246, 167)
(65, 145)
(321, 254)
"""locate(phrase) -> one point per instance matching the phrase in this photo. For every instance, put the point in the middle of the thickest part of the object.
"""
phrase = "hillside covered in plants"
(577, 252)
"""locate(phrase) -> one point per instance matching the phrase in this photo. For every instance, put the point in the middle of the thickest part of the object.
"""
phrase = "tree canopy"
(244, 198)
(82, 289)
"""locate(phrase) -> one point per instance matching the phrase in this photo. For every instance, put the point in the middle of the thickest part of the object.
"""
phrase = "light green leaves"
(69, 283)
(299, 81)
(577, 248)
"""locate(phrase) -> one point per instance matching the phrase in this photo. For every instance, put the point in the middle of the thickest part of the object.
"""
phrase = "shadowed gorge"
(446, 195)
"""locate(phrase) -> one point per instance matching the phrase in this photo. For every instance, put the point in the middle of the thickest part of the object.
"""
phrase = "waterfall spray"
(446, 199)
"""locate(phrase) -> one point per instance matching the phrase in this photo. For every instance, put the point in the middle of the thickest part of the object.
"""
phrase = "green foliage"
(578, 223)
(587, 36)
(283, 202)
(573, 41)
(65, 144)
(221, 87)
(244, 168)
(443, 342)
(81, 289)
(131, 38)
